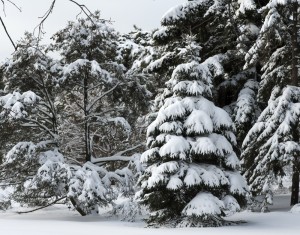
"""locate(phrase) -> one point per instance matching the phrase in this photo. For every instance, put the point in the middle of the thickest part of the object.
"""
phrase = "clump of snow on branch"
(14, 104)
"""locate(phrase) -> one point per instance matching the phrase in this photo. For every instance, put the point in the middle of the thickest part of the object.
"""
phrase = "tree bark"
(295, 186)
(294, 82)
(86, 122)
(294, 37)
(74, 203)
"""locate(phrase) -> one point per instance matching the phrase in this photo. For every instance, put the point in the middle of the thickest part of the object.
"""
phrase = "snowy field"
(59, 220)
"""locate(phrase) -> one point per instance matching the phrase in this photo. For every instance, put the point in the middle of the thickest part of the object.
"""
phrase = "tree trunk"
(86, 123)
(74, 203)
(294, 37)
(294, 82)
(295, 186)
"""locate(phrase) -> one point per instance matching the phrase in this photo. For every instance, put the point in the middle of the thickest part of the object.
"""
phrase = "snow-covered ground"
(59, 220)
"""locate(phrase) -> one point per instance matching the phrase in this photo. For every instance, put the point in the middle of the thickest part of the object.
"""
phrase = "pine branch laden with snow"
(14, 105)
(188, 19)
(246, 109)
(246, 5)
(135, 49)
(192, 170)
(273, 142)
(28, 101)
(35, 174)
(92, 187)
(191, 10)
(272, 49)
(38, 176)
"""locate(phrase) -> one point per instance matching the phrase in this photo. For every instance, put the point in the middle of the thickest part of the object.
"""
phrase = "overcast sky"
(125, 13)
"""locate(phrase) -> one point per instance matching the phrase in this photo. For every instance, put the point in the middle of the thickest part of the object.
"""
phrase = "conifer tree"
(271, 148)
(192, 176)
(243, 83)
(276, 52)
(191, 162)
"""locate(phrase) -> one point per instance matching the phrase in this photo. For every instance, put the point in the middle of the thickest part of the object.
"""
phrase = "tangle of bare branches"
(83, 9)
(2, 22)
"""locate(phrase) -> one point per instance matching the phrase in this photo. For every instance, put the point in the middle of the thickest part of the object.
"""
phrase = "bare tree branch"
(8, 35)
(103, 95)
(15, 5)
(84, 9)
(46, 15)
(3, 7)
(42, 207)
(40, 26)
(118, 156)
(3, 24)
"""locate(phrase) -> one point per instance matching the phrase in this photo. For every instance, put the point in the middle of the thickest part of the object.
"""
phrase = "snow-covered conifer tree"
(276, 51)
(192, 176)
(90, 77)
(271, 148)
(241, 85)
(273, 50)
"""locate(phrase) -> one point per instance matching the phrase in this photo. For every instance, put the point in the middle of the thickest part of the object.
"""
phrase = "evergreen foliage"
(72, 129)
(56, 107)
(272, 146)
(191, 164)
(276, 52)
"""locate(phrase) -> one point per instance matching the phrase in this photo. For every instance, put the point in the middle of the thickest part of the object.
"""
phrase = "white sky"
(125, 13)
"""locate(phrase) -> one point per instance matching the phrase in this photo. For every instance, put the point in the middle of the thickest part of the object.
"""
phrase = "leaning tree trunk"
(294, 82)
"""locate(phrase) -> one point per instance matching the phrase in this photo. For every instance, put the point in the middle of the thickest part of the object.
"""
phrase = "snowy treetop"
(91, 32)
(75, 68)
(191, 10)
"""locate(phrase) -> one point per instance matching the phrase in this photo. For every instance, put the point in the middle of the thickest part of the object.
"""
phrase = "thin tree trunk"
(86, 123)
